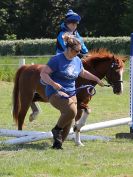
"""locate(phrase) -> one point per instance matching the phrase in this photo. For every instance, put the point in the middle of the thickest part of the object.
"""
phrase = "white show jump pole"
(106, 124)
(31, 136)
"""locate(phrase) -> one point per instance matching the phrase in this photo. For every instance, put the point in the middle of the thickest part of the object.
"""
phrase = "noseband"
(112, 83)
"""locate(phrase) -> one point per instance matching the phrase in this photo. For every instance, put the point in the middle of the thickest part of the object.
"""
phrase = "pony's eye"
(113, 64)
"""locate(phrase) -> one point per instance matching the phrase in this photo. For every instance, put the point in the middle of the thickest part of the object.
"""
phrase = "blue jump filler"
(131, 83)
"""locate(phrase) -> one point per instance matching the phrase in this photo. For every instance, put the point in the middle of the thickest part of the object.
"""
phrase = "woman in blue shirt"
(61, 71)
(70, 25)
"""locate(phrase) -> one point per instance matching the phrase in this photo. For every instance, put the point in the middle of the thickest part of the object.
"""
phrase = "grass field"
(96, 159)
(9, 65)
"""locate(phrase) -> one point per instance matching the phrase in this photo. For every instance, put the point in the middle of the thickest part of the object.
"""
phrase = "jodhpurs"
(68, 110)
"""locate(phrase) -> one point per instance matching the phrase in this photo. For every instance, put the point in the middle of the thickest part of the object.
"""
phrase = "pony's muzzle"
(118, 88)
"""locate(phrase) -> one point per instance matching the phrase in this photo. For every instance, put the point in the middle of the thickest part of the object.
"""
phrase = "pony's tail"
(16, 101)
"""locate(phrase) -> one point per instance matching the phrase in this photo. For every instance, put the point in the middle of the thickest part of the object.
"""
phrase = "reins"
(77, 90)
(74, 92)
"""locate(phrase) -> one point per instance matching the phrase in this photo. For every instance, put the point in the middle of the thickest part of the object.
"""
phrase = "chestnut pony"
(28, 89)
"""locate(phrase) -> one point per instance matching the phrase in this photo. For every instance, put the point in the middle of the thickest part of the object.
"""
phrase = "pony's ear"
(125, 58)
(85, 56)
(113, 57)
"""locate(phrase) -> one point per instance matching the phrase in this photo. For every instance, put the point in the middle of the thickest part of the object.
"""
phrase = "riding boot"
(57, 136)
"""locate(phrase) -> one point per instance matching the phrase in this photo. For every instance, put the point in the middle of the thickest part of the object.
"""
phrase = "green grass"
(29, 60)
(9, 65)
(96, 159)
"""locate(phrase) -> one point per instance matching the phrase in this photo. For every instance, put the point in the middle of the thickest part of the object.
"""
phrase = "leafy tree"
(32, 18)
(127, 19)
(41, 18)
(101, 18)
(3, 24)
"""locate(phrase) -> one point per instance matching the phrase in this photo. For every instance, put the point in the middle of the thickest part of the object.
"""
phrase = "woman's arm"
(87, 75)
(45, 72)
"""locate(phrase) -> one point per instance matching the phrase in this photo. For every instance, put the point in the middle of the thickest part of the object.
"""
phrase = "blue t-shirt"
(64, 72)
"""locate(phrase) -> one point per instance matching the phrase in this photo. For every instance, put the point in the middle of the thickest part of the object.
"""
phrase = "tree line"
(21, 19)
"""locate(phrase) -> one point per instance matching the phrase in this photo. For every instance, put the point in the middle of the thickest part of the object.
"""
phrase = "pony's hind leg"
(21, 117)
(35, 111)
(25, 104)
(35, 106)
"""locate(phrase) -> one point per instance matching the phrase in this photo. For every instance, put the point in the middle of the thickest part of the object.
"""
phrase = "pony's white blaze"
(121, 79)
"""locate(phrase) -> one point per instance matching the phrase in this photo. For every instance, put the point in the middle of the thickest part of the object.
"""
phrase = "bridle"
(113, 83)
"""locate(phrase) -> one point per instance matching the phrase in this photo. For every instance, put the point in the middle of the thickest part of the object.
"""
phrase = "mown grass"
(96, 159)
(9, 65)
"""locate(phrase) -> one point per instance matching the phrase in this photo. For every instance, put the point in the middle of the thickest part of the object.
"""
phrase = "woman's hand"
(57, 86)
(100, 83)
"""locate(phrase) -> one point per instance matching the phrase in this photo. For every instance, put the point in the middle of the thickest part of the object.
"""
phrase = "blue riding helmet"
(72, 17)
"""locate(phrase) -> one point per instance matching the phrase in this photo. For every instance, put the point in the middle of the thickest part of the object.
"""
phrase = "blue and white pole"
(131, 84)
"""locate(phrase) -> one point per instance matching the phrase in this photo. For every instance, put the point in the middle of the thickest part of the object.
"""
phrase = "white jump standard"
(129, 135)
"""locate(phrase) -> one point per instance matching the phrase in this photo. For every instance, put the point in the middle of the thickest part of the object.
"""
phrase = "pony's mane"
(104, 54)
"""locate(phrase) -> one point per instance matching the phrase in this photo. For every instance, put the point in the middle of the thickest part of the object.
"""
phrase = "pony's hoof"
(80, 144)
(33, 116)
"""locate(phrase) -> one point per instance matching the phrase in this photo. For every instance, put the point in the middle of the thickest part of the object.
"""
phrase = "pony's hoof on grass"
(33, 116)
(80, 144)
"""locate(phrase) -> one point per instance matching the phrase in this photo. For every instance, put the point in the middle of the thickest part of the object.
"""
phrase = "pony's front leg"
(35, 111)
(80, 123)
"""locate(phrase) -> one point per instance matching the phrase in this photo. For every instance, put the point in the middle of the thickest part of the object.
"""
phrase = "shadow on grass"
(37, 146)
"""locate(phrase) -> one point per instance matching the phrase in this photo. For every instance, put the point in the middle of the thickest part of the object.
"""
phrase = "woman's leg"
(68, 109)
